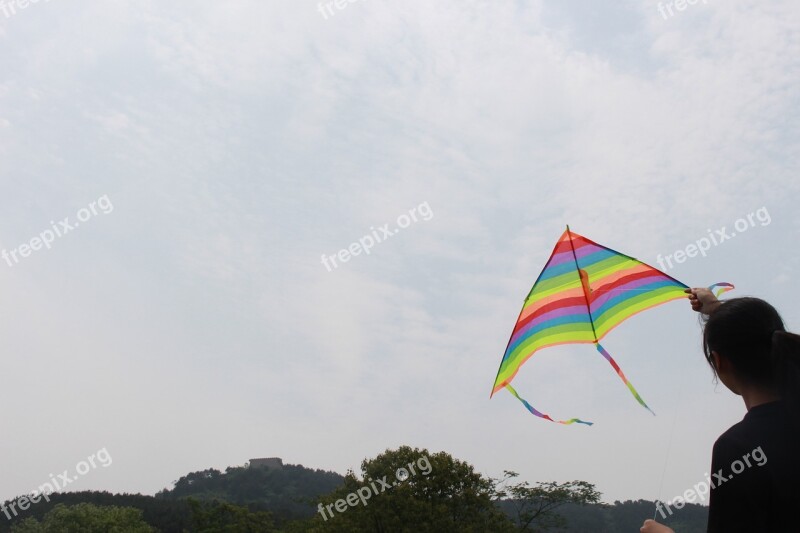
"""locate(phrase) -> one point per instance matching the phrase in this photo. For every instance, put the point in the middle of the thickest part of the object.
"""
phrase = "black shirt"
(755, 474)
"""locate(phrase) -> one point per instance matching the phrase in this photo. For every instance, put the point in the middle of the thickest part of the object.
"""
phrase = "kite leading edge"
(584, 291)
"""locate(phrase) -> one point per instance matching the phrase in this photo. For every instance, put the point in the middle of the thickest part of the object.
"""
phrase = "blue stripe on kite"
(569, 266)
(622, 296)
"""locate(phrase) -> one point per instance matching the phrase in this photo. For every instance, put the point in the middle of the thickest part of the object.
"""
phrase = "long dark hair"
(750, 333)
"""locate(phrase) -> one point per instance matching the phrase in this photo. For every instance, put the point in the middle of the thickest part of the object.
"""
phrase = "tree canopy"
(86, 518)
(451, 497)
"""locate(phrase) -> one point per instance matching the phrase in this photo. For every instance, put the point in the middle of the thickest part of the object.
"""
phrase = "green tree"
(535, 507)
(217, 517)
(86, 518)
(417, 491)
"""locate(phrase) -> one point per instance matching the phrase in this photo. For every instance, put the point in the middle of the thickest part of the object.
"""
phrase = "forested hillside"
(287, 500)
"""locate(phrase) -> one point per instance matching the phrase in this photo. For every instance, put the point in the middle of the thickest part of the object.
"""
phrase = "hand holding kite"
(704, 301)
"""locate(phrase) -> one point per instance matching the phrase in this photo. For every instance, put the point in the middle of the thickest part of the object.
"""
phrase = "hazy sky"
(212, 152)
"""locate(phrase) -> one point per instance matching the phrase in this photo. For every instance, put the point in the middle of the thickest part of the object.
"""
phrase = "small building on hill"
(268, 462)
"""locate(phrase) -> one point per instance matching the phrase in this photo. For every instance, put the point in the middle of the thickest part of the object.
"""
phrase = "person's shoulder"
(771, 421)
(758, 423)
(766, 425)
(738, 432)
(757, 420)
(733, 441)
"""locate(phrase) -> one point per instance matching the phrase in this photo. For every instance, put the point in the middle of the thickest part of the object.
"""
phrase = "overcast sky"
(208, 154)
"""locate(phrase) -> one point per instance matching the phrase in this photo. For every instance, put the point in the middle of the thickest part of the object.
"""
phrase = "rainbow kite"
(584, 291)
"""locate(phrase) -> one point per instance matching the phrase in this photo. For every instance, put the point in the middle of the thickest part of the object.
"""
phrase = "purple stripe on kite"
(559, 259)
(568, 267)
(580, 252)
(563, 311)
(634, 284)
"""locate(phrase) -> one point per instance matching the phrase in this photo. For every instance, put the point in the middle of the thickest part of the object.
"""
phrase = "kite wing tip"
(494, 389)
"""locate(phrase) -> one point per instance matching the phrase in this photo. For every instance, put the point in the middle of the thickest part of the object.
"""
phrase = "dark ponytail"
(786, 369)
(750, 334)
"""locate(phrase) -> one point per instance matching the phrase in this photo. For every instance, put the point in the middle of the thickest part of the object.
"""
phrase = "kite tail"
(622, 376)
(542, 415)
(721, 288)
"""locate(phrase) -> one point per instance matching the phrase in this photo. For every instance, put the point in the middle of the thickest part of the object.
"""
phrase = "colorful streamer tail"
(721, 288)
(622, 376)
(542, 415)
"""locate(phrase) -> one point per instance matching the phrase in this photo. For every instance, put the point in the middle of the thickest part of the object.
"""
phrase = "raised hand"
(703, 300)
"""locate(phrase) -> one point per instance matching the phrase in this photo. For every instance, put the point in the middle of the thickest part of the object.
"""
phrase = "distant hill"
(289, 492)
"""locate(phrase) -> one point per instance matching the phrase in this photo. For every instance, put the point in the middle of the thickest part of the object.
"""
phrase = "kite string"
(666, 460)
